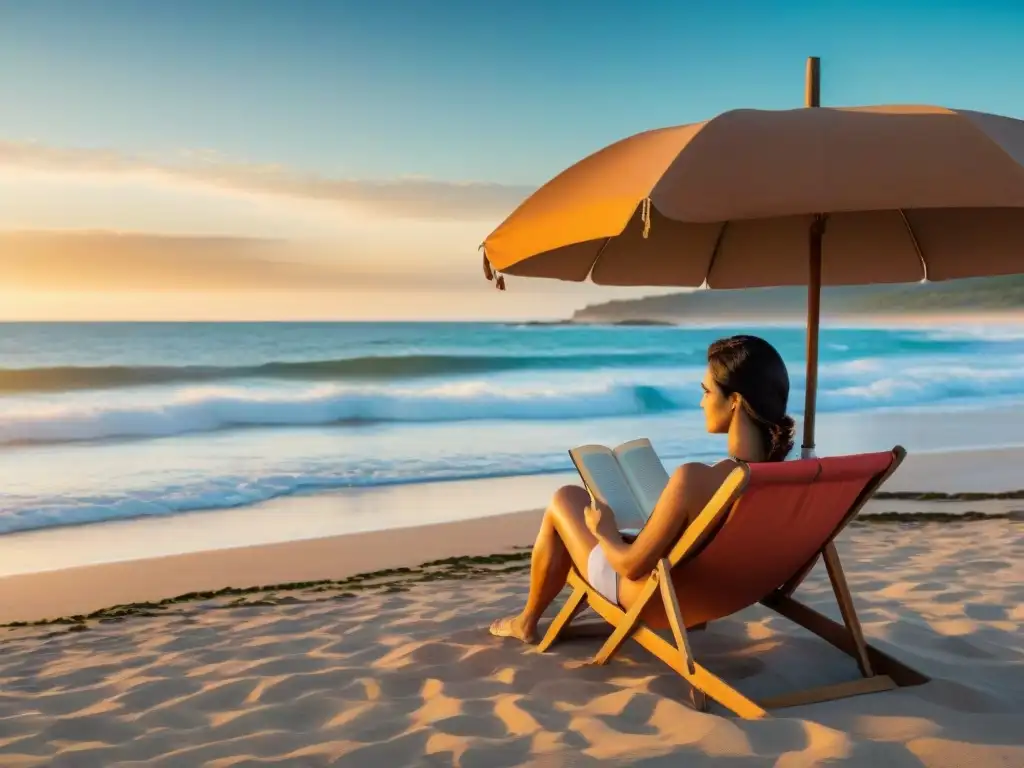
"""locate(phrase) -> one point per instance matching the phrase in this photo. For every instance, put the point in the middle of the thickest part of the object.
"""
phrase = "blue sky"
(405, 93)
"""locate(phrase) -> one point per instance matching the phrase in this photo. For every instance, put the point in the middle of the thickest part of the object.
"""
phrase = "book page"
(603, 476)
(644, 472)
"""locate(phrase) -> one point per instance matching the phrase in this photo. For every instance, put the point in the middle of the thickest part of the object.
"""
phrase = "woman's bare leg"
(563, 540)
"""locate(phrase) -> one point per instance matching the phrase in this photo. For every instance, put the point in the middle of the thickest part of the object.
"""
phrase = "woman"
(746, 390)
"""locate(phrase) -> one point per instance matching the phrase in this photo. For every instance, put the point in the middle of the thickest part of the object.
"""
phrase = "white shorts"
(602, 576)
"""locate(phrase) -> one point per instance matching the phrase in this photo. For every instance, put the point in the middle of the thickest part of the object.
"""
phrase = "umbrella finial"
(812, 83)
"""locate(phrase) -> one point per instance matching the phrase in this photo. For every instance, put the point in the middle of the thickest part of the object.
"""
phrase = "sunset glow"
(368, 153)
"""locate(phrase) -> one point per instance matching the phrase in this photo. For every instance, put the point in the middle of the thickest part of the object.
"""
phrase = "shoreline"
(83, 590)
(949, 482)
(332, 537)
(400, 578)
(283, 520)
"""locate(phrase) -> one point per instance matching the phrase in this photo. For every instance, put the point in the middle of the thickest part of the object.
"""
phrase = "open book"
(628, 478)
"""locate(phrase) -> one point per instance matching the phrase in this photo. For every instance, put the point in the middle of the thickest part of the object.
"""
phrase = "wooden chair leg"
(629, 622)
(672, 612)
(839, 636)
(859, 687)
(846, 607)
(704, 684)
(572, 607)
(678, 626)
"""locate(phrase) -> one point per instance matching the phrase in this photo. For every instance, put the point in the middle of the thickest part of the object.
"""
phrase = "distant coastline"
(992, 299)
(856, 320)
(571, 321)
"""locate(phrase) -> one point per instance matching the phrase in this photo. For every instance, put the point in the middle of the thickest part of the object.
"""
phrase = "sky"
(246, 159)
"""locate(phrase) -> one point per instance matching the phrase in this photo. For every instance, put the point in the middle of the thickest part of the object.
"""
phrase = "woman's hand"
(600, 519)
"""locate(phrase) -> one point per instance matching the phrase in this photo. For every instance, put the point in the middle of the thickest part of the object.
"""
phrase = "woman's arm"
(688, 490)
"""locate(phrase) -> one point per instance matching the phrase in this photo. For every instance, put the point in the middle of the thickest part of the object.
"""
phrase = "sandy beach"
(405, 674)
(378, 657)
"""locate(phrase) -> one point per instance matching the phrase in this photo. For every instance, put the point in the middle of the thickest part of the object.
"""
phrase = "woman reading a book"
(745, 394)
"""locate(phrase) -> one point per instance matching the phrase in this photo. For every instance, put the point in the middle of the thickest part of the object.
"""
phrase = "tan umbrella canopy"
(828, 196)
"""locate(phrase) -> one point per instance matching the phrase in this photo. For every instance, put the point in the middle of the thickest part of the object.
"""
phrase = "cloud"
(111, 261)
(404, 197)
(103, 275)
(127, 262)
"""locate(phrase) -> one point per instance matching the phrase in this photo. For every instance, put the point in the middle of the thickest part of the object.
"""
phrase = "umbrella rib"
(597, 258)
(914, 241)
(714, 253)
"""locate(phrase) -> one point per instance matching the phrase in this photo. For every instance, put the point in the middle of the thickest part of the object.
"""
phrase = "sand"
(396, 667)
(405, 674)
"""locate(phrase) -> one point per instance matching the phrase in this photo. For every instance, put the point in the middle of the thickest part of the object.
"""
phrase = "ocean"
(112, 421)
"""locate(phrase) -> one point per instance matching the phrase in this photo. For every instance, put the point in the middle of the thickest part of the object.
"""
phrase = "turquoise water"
(106, 421)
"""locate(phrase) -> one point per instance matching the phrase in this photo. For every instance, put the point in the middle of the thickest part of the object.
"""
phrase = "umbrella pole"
(812, 98)
(813, 322)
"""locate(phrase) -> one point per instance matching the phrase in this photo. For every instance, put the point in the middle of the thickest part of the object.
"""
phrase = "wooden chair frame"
(880, 672)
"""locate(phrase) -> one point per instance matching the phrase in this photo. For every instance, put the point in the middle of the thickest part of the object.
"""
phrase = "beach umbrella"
(752, 198)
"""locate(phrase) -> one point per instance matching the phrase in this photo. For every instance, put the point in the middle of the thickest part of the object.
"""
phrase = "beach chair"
(754, 542)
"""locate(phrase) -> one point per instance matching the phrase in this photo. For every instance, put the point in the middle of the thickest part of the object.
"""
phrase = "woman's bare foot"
(514, 626)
